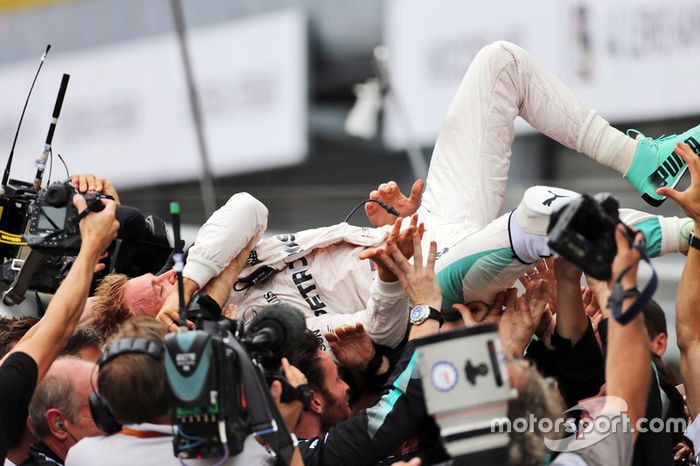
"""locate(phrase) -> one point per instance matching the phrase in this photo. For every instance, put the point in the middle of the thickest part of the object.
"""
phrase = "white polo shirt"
(122, 449)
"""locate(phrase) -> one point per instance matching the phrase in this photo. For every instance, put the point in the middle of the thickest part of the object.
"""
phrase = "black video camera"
(583, 232)
(53, 219)
(218, 383)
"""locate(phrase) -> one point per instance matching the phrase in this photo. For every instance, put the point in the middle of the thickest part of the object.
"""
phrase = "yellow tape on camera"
(11, 238)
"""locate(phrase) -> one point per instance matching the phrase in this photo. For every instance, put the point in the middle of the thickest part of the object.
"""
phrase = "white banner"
(126, 115)
(634, 59)
(630, 59)
(432, 43)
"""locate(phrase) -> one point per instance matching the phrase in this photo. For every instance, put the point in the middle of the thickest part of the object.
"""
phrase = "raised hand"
(476, 312)
(418, 279)
(543, 270)
(688, 200)
(403, 241)
(522, 316)
(627, 259)
(601, 292)
(89, 183)
(390, 194)
(351, 346)
(592, 307)
(290, 412)
(97, 229)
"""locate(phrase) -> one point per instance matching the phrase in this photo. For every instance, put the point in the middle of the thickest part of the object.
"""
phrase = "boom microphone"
(41, 161)
(279, 328)
(132, 223)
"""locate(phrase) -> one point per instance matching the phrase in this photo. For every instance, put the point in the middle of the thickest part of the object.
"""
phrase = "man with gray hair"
(59, 415)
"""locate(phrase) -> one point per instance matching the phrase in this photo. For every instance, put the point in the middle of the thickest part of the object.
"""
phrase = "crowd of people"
(370, 296)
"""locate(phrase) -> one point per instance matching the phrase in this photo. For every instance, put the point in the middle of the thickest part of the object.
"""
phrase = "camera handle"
(94, 204)
(15, 293)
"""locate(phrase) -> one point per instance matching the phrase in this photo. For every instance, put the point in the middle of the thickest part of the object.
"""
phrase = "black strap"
(436, 315)
(258, 276)
(84, 213)
(450, 315)
(374, 363)
(693, 240)
(618, 294)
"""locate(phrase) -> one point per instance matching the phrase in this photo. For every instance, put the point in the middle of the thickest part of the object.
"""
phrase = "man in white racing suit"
(479, 254)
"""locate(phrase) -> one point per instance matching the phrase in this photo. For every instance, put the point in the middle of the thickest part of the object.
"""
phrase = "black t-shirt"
(18, 376)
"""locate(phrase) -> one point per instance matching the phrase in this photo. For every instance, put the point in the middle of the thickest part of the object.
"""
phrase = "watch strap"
(435, 315)
(450, 315)
(693, 240)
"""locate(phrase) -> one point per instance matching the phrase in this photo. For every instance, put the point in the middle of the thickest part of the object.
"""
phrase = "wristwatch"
(423, 312)
(693, 240)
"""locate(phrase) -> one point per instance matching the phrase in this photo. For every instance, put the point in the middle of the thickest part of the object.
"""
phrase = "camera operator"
(134, 387)
(27, 363)
(627, 368)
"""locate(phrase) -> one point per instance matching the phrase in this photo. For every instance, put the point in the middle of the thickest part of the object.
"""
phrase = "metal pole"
(206, 183)
(415, 155)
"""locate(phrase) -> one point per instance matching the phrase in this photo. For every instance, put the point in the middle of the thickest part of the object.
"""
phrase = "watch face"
(419, 314)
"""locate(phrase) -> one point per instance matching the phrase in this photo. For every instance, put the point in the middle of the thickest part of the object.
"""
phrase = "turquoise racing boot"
(655, 164)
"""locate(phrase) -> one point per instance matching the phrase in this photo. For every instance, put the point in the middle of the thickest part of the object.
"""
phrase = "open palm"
(351, 345)
(390, 194)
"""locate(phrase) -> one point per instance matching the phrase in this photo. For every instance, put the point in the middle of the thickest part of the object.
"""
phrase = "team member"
(134, 387)
(330, 394)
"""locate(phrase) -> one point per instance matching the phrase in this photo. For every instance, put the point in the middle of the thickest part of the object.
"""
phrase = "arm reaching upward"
(688, 297)
(47, 338)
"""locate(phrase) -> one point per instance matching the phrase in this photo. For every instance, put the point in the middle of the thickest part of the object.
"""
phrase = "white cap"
(537, 206)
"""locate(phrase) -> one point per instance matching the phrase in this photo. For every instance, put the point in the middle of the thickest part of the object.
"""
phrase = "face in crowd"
(333, 402)
(146, 294)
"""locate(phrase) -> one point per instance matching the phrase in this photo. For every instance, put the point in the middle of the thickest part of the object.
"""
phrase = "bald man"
(59, 415)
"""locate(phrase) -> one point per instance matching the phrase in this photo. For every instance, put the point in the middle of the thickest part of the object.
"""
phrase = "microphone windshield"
(278, 328)
(132, 223)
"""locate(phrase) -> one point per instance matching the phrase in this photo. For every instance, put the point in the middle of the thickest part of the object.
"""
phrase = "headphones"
(101, 414)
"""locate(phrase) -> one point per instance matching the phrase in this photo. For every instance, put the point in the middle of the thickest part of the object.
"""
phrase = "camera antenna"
(41, 161)
(8, 167)
(179, 260)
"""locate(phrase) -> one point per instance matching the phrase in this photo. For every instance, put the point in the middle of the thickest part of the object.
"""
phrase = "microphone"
(279, 328)
(179, 259)
(132, 223)
(41, 161)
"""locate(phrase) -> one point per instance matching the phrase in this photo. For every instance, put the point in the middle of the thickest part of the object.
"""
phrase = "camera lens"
(57, 195)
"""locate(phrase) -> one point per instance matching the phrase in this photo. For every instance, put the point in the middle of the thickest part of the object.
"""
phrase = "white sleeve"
(223, 236)
(385, 318)
(664, 235)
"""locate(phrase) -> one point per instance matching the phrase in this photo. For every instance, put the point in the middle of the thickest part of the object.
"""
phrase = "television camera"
(219, 375)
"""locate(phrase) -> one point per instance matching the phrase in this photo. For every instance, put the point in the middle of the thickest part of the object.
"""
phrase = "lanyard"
(142, 433)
